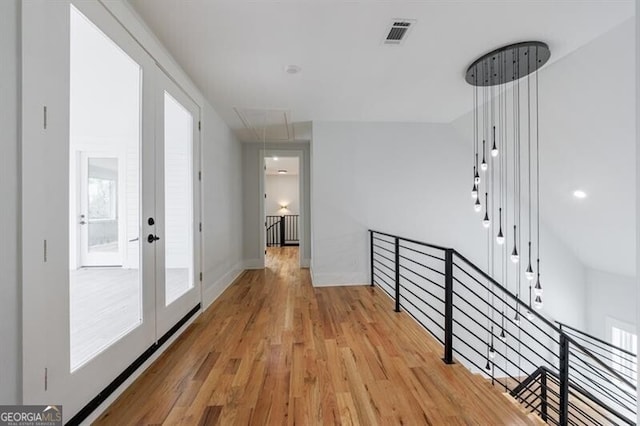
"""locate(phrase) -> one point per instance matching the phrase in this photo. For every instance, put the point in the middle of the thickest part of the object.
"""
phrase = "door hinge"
(200, 176)
(200, 276)
(44, 250)
(199, 125)
(44, 117)
(46, 378)
(200, 227)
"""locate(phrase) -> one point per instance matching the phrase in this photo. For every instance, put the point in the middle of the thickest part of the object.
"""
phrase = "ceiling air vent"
(398, 31)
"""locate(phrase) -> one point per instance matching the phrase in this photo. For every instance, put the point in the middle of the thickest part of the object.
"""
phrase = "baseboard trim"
(253, 264)
(101, 401)
(213, 291)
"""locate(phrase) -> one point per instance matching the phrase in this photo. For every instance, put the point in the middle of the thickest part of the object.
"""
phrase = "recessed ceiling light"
(282, 172)
(275, 158)
(579, 194)
(292, 69)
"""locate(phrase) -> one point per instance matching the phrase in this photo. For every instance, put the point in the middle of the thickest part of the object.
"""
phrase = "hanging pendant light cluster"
(507, 81)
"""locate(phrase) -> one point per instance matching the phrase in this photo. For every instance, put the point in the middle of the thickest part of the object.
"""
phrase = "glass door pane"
(178, 199)
(105, 289)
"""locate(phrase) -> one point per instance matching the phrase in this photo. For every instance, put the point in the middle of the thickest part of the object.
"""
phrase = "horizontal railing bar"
(423, 301)
(420, 264)
(382, 280)
(584, 413)
(501, 299)
(385, 265)
(383, 240)
(602, 406)
(423, 313)
(506, 328)
(385, 274)
(423, 289)
(625, 355)
(418, 285)
(420, 243)
(631, 375)
(380, 255)
(421, 252)
(532, 364)
(574, 388)
(384, 248)
(607, 380)
(604, 392)
(425, 327)
(595, 338)
(602, 364)
(425, 278)
(386, 292)
(500, 287)
(499, 326)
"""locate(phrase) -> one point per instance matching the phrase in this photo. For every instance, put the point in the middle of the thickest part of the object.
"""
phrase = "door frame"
(263, 153)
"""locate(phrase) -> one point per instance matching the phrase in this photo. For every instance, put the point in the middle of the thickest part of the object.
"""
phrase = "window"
(623, 336)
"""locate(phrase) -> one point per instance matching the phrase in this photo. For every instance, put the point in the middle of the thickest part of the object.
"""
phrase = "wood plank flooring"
(274, 350)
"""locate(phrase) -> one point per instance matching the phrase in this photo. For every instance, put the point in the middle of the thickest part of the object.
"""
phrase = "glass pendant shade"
(474, 191)
(477, 206)
(537, 303)
(529, 315)
(529, 273)
(476, 178)
(516, 319)
(484, 166)
(537, 290)
(486, 222)
(492, 353)
(500, 237)
(515, 258)
(494, 150)
(488, 366)
(503, 336)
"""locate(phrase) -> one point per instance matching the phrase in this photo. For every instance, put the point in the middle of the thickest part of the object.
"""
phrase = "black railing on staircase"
(486, 327)
(282, 230)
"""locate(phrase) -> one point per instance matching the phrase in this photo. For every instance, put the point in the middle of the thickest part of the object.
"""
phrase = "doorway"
(118, 179)
(282, 206)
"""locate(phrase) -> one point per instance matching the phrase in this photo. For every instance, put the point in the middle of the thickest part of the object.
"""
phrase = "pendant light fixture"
(486, 222)
(503, 136)
(500, 237)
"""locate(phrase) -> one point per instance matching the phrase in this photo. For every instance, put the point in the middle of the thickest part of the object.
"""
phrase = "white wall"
(281, 190)
(252, 216)
(222, 226)
(412, 180)
(10, 284)
(608, 296)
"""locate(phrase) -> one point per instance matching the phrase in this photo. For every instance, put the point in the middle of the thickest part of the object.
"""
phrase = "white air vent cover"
(398, 31)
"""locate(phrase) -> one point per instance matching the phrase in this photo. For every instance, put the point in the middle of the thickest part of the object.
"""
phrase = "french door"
(117, 201)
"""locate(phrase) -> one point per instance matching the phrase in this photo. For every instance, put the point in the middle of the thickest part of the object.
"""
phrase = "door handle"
(152, 238)
(82, 222)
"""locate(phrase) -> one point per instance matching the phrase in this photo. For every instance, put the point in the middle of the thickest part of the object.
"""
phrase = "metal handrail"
(604, 342)
(488, 283)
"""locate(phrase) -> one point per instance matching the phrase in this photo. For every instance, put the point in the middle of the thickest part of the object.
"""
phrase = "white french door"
(112, 200)
(177, 204)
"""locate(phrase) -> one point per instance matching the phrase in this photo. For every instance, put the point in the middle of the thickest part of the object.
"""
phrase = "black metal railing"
(490, 330)
(282, 230)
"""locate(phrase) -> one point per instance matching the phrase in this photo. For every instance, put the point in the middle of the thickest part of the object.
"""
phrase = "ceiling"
(236, 51)
(274, 164)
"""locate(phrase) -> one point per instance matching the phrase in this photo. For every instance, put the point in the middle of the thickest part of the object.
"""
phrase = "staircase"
(553, 375)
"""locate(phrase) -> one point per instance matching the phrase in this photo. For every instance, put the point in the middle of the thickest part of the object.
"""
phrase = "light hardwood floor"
(274, 350)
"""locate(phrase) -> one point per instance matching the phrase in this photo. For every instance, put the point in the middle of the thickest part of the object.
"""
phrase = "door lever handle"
(152, 238)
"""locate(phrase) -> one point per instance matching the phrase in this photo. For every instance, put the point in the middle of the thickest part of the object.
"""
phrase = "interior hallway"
(274, 350)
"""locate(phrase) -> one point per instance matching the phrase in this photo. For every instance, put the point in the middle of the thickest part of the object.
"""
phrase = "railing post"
(448, 306)
(543, 396)
(281, 231)
(397, 244)
(564, 380)
(371, 254)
